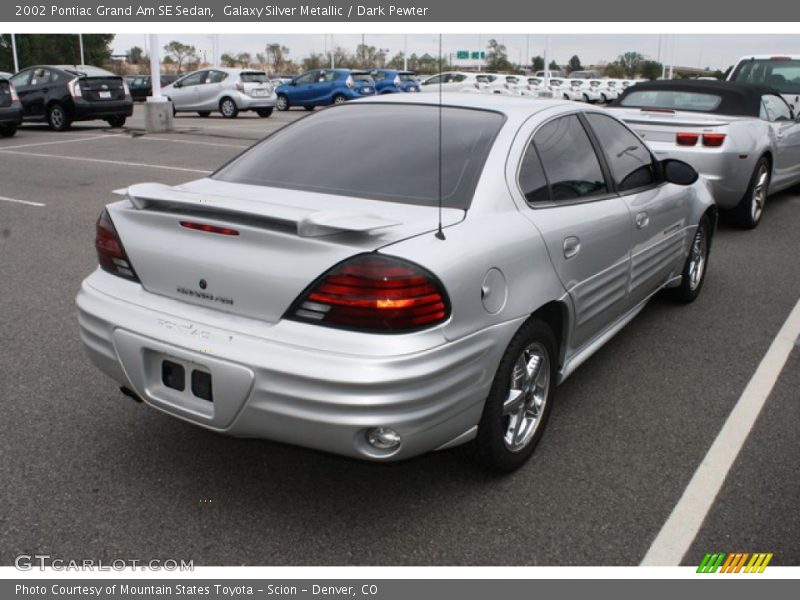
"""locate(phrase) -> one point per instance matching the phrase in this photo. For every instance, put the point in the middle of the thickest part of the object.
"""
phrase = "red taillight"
(110, 253)
(687, 139)
(14, 97)
(780, 58)
(74, 87)
(209, 228)
(374, 293)
(240, 86)
(714, 140)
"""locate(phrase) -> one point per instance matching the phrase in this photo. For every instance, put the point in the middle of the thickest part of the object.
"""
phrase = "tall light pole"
(155, 67)
(14, 52)
(80, 43)
(405, 52)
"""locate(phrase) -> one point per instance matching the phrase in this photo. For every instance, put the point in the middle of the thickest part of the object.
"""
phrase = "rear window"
(783, 75)
(253, 77)
(365, 77)
(335, 152)
(675, 100)
(89, 71)
(406, 76)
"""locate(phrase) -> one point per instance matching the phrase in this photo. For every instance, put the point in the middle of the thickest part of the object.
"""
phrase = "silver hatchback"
(229, 91)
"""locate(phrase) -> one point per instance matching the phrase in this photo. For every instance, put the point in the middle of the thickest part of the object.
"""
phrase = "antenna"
(439, 232)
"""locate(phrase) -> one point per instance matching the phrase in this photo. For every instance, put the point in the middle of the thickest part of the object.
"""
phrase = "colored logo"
(734, 562)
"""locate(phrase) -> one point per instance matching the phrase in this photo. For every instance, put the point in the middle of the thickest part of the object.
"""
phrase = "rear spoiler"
(308, 223)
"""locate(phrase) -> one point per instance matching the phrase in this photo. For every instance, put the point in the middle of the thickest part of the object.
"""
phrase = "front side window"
(569, 160)
(774, 108)
(628, 158)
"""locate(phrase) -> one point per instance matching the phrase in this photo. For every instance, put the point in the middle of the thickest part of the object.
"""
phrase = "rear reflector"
(209, 228)
(687, 139)
(110, 253)
(713, 140)
(374, 293)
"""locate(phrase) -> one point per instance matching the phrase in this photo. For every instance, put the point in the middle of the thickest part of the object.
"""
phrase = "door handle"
(642, 220)
(572, 245)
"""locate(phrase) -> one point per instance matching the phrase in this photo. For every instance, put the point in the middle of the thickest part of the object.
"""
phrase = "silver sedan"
(424, 294)
(229, 91)
(743, 138)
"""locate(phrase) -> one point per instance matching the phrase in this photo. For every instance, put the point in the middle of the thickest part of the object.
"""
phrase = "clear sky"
(716, 51)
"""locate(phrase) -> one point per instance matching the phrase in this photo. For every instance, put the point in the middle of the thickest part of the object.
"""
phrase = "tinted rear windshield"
(88, 71)
(337, 151)
(364, 77)
(406, 76)
(253, 77)
(784, 75)
(675, 100)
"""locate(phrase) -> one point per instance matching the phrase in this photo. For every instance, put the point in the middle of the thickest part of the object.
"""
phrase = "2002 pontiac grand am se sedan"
(313, 301)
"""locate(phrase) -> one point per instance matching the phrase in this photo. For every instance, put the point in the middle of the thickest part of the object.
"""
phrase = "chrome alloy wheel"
(528, 392)
(759, 193)
(697, 258)
(57, 117)
(228, 107)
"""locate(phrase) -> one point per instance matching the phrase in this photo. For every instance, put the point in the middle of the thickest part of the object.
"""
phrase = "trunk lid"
(101, 89)
(286, 240)
(661, 125)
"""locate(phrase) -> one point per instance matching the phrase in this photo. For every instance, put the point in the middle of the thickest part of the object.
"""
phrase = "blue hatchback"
(390, 81)
(321, 87)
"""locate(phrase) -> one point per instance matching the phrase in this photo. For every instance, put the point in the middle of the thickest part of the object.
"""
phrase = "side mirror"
(678, 172)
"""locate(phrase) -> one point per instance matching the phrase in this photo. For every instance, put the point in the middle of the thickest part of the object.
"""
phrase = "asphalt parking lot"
(87, 473)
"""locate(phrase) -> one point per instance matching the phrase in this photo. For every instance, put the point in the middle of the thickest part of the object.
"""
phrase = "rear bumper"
(11, 114)
(728, 174)
(83, 110)
(267, 387)
(246, 102)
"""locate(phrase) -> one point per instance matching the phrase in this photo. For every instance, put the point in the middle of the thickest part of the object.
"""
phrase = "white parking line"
(69, 141)
(26, 202)
(107, 162)
(150, 138)
(680, 529)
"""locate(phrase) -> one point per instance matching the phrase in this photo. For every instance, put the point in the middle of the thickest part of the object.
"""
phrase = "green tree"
(314, 61)
(227, 59)
(396, 62)
(244, 59)
(135, 55)
(631, 62)
(554, 66)
(537, 63)
(277, 57)
(650, 69)
(180, 53)
(33, 49)
(574, 64)
(497, 57)
(615, 70)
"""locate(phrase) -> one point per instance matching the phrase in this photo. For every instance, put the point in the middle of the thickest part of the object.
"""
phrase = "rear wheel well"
(555, 315)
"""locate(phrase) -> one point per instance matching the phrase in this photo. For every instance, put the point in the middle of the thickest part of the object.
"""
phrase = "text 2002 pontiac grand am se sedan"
(312, 301)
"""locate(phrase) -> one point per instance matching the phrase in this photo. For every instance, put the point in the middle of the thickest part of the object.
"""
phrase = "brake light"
(687, 139)
(12, 89)
(780, 58)
(240, 86)
(713, 140)
(110, 252)
(374, 293)
(208, 228)
(349, 82)
(74, 88)
(125, 88)
(396, 80)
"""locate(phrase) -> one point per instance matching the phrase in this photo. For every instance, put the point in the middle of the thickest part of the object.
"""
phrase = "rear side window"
(628, 158)
(253, 77)
(569, 160)
(532, 180)
(325, 153)
(216, 76)
(782, 74)
(675, 100)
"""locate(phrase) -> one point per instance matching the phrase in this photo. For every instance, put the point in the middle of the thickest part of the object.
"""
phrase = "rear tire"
(116, 120)
(57, 118)
(694, 269)
(204, 113)
(264, 113)
(747, 214)
(519, 403)
(339, 99)
(309, 108)
(8, 130)
(228, 108)
(282, 103)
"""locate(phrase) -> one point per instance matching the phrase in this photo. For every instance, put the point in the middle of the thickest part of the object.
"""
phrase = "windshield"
(254, 77)
(406, 172)
(783, 75)
(673, 100)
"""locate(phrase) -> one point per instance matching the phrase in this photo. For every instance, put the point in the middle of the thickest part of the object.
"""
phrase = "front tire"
(747, 213)
(228, 108)
(264, 112)
(116, 120)
(516, 411)
(282, 102)
(309, 108)
(204, 113)
(694, 269)
(57, 118)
